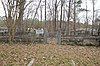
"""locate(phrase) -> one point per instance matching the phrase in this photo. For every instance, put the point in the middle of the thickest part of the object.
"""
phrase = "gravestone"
(45, 36)
(58, 36)
(41, 35)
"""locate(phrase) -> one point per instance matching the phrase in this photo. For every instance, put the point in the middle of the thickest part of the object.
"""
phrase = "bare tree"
(62, 3)
(14, 10)
(86, 16)
(55, 14)
(93, 18)
(76, 4)
(41, 13)
(21, 12)
(74, 17)
(45, 13)
(35, 14)
(69, 16)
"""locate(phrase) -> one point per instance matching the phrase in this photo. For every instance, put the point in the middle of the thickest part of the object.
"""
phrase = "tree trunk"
(21, 12)
(74, 18)
(61, 14)
(68, 17)
(55, 15)
(45, 13)
(93, 19)
(9, 36)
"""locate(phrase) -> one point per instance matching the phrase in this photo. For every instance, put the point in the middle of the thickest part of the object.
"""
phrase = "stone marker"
(45, 36)
(59, 36)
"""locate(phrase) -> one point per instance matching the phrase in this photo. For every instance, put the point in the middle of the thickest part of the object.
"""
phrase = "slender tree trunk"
(55, 15)
(21, 12)
(14, 15)
(41, 14)
(74, 17)
(9, 36)
(61, 14)
(99, 30)
(86, 18)
(45, 13)
(68, 17)
(64, 18)
(93, 19)
(57, 21)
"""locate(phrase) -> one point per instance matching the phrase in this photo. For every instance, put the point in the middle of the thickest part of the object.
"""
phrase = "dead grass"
(48, 55)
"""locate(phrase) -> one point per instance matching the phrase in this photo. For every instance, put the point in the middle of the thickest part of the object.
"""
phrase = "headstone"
(41, 34)
(59, 36)
(45, 36)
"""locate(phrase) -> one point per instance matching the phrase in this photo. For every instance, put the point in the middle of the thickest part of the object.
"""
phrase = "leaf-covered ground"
(49, 55)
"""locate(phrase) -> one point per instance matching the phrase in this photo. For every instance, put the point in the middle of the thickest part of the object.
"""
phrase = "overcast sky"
(82, 14)
(90, 7)
(1, 9)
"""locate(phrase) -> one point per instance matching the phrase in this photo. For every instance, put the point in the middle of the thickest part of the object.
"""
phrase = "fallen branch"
(73, 63)
(31, 62)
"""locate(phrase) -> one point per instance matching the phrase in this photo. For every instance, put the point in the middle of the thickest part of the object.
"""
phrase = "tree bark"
(14, 15)
(45, 13)
(68, 17)
(74, 17)
(55, 15)
(93, 19)
(61, 14)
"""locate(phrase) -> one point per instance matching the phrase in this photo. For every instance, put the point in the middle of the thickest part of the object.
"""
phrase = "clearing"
(49, 55)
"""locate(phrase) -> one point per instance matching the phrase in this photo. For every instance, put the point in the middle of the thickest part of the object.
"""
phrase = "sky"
(82, 14)
(90, 7)
(1, 9)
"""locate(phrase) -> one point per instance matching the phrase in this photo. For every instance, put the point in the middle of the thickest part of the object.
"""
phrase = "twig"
(73, 63)
(31, 62)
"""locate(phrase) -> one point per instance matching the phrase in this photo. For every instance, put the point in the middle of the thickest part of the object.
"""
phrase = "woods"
(49, 33)
(14, 10)
(60, 14)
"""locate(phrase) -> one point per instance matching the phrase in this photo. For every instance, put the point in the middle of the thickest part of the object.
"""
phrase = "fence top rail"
(80, 37)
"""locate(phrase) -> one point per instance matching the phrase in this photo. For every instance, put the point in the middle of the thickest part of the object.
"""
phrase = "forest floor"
(49, 55)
